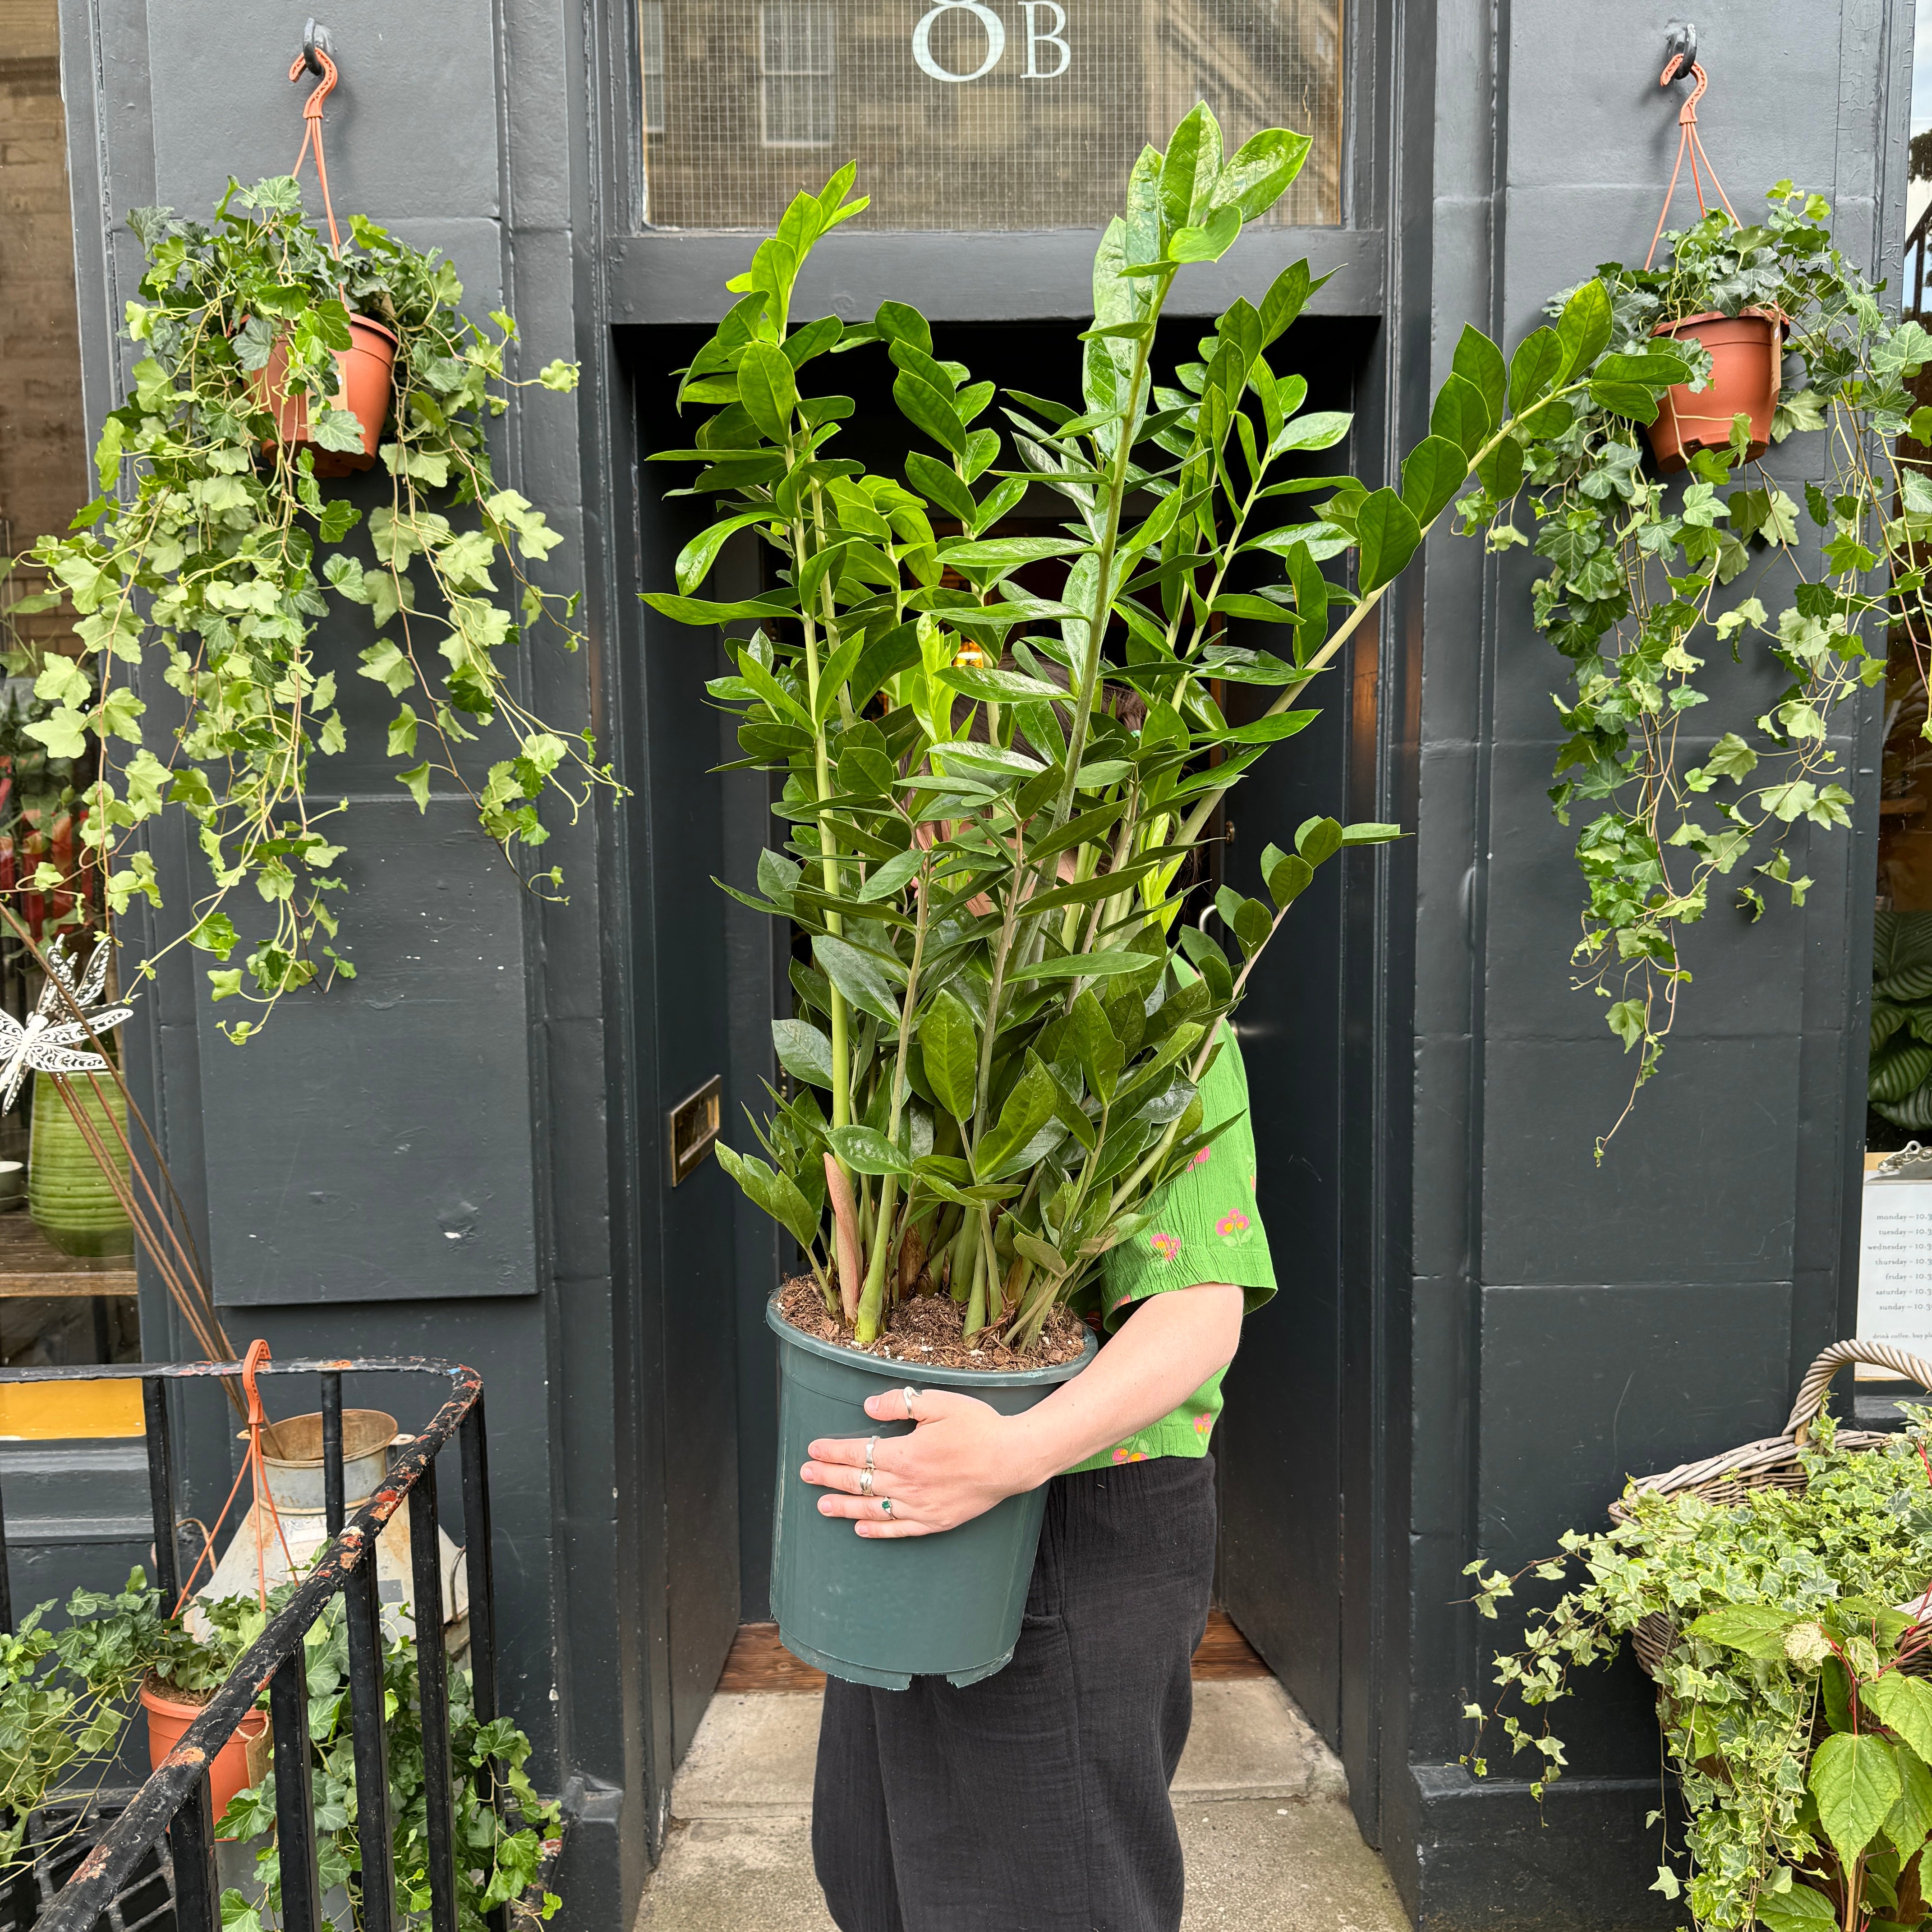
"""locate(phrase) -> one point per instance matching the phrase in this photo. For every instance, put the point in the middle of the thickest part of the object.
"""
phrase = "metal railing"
(174, 1803)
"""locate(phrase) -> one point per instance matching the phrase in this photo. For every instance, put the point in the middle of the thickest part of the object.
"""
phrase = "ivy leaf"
(417, 779)
(63, 732)
(559, 375)
(402, 733)
(338, 430)
(1856, 1780)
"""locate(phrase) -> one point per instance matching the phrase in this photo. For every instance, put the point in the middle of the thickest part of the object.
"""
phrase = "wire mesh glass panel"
(970, 114)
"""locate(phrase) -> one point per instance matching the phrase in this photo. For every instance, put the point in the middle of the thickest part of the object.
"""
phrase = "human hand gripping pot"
(963, 1456)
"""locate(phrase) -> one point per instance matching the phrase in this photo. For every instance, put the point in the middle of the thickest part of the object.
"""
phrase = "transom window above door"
(969, 115)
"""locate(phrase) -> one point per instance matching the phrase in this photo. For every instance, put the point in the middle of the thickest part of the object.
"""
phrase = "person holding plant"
(1037, 1799)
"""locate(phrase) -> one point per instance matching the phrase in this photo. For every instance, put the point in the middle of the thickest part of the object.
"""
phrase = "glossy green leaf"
(859, 976)
(1584, 327)
(1904, 1705)
(1910, 1820)
(1387, 533)
(1800, 1909)
(1319, 840)
(1535, 367)
(803, 1051)
(1460, 415)
(1191, 169)
(1260, 172)
(1210, 242)
(886, 881)
(950, 1051)
(1480, 363)
(941, 484)
(866, 1150)
(1288, 874)
(768, 388)
(1028, 1108)
(1095, 1045)
(695, 560)
(1083, 966)
(1431, 473)
(776, 1193)
(924, 406)
(1625, 399)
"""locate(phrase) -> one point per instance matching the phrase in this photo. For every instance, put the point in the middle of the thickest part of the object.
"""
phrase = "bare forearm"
(1163, 1352)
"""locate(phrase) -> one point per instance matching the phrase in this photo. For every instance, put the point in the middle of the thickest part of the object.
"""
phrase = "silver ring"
(871, 1450)
(866, 1482)
(908, 1393)
(885, 1506)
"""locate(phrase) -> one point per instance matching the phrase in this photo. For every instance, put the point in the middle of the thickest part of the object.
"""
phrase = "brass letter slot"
(694, 1130)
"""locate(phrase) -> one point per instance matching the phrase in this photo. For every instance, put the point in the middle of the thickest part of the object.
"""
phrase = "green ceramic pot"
(68, 1196)
(883, 1612)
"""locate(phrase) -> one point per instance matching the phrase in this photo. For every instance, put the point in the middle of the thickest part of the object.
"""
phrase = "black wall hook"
(1680, 43)
(316, 42)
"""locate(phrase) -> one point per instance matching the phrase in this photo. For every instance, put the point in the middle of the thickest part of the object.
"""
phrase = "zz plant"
(1641, 584)
(1794, 1698)
(997, 1043)
(213, 553)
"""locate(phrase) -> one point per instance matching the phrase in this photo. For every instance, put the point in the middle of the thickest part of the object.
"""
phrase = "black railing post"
(295, 1796)
(161, 1490)
(191, 1849)
(332, 1450)
(363, 1606)
(432, 1696)
(471, 1446)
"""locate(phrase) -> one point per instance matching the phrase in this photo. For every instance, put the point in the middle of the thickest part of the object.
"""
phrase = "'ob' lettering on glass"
(969, 114)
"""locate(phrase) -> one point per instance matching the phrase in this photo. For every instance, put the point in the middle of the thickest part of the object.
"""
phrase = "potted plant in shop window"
(214, 555)
(1001, 1026)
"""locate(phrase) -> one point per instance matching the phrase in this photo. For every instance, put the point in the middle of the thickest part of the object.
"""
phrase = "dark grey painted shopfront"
(1480, 1332)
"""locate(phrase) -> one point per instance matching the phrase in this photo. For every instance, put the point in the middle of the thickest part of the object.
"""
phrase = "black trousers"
(1035, 1801)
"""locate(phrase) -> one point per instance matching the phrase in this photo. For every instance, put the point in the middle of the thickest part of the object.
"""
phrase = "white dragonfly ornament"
(46, 1044)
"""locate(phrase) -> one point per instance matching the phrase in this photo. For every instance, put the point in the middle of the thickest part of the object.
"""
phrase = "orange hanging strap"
(312, 129)
(1688, 143)
(252, 1466)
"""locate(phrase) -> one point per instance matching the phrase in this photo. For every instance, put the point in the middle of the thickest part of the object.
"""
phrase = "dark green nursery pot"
(884, 1611)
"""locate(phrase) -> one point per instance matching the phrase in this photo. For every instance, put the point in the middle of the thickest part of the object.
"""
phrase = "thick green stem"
(1204, 805)
(965, 1249)
(828, 847)
(976, 1302)
(1129, 434)
(872, 1301)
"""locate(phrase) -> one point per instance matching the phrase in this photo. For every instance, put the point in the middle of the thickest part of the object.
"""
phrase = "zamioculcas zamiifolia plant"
(214, 552)
(997, 1043)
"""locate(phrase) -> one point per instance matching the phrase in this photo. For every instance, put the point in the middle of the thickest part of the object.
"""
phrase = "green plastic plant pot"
(884, 1611)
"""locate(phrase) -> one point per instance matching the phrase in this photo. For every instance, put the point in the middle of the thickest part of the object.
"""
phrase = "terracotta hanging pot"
(365, 368)
(1746, 358)
(230, 1770)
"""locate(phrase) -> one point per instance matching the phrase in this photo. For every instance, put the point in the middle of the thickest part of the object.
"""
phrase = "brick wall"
(43, 476)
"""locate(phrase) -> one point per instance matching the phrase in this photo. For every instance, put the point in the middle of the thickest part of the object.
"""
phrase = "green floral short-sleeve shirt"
(1206, 1227)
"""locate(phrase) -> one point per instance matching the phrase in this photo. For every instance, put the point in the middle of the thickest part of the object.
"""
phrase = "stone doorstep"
(754, 1750)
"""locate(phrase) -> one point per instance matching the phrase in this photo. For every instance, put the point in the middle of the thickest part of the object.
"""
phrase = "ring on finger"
(871, 1450)
(906, 1395)
(865, 1476)
(885, 1507)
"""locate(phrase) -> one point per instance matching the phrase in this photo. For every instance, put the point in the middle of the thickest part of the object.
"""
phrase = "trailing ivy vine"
(1792, 1692)
(214, 551)
(1643, 583)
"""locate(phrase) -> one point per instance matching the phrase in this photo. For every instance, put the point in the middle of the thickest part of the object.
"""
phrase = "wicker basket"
(1770, 1464)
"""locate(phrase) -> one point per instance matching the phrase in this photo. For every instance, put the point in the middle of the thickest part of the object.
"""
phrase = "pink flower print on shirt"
(1165, 1246)
(1200, 1159)
(1202, 1423)
(1124, 1454)
(1232, 1223)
